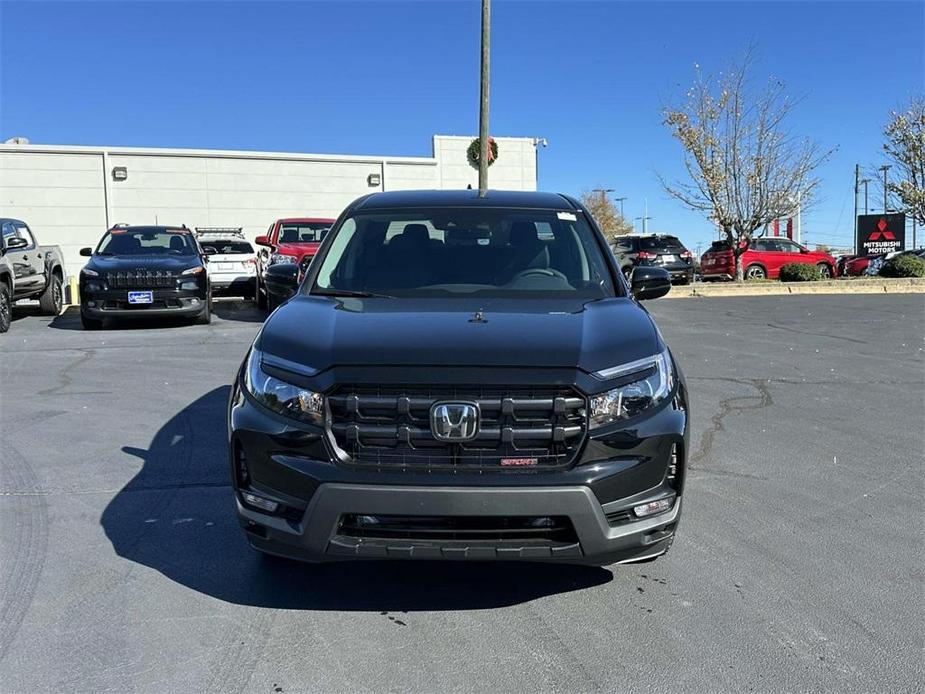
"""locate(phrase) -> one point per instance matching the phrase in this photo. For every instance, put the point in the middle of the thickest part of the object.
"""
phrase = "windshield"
(466, 252)
(303, 232)
(147, 242)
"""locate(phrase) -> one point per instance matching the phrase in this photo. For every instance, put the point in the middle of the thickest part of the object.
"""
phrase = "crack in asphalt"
(729, 406)
(64, 376)
(809, 332)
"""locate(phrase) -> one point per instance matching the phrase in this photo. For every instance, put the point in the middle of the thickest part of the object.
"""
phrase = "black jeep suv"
(462, 377)
(655, 250)
(144, 271)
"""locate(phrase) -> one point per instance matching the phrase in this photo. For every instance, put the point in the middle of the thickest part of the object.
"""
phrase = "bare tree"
(746, 168)
(905, 146)
(605, 213)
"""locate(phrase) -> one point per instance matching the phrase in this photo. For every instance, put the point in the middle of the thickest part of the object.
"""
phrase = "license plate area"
(141, 297)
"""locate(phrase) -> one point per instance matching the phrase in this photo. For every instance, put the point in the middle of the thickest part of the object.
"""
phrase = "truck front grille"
(520, 428)
(140, 278)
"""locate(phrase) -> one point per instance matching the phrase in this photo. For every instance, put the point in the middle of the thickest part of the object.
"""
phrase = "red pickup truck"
(762, 260)
(290, 240)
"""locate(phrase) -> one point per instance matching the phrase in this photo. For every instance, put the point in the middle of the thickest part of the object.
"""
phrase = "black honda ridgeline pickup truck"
(460, 377)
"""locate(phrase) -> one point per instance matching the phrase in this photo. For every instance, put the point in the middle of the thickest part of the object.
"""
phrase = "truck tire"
(6, 307)
(90, 323)
(52, 299)
(260, 297)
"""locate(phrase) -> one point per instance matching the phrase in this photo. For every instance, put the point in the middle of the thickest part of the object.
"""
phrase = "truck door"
(19, 260)
(33, 260)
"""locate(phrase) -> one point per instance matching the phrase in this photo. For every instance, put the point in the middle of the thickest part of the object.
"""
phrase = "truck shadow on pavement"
(176, 516)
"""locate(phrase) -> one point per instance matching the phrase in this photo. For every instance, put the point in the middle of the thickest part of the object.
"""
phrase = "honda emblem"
(454, 421)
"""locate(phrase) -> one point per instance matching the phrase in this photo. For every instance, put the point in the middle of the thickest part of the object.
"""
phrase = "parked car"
(856, 266)
(289, 240)
(28, 271)
(447, 383)
(658, 250)
(763, 259)
(144, 271)
(232, 265)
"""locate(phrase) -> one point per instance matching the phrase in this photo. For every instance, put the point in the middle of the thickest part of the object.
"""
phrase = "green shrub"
(799, 272)
(903, 266)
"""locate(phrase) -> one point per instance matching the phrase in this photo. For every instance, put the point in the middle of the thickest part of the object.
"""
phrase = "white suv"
(232, 262)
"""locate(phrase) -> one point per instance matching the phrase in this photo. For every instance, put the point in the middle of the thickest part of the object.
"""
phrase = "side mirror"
(649, 282)
(262, 240)
(86, 252)
(282, 280)
(16, 242)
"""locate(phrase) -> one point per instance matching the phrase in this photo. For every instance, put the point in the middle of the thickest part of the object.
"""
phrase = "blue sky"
(382, 77)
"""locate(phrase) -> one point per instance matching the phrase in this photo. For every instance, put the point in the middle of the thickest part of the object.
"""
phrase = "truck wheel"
(90, 323)
(205, 317)
(6, 307)
(260, 297)
(52, 298)
(825, 270)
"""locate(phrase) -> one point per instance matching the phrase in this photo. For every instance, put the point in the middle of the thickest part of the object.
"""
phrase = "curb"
(905, 285)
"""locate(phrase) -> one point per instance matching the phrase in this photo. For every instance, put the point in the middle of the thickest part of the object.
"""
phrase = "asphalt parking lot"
(798, 564)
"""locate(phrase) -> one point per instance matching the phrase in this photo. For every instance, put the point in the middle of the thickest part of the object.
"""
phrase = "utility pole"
(857, 179)
(621, 200)
(884, 169)
(483, 105)
(864, 183)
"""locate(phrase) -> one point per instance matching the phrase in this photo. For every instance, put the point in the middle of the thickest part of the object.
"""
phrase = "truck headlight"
(283, 398)
(655, 383)
(277, 258)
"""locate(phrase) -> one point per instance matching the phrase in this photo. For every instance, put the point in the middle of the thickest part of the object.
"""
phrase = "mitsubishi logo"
(454, 421)
(882, 232)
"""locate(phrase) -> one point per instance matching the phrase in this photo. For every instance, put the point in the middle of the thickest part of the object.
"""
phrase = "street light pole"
(483, 104)
(620, 200)
(884, 169)
(865, 182)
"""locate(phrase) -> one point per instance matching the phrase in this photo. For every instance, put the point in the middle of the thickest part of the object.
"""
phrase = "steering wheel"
(545, 272)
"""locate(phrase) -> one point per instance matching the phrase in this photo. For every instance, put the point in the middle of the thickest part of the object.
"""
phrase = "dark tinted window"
(466, 252)
(147, 242)
(656, 242)
(226, 247)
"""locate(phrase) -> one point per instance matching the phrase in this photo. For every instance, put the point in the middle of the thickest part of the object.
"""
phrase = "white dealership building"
(69, 195)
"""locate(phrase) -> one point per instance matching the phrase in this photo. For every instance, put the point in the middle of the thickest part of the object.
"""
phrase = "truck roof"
(465, 198)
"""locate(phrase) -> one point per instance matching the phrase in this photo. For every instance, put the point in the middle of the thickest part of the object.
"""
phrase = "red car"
(290, 240)
(763, 259)
(857, 266)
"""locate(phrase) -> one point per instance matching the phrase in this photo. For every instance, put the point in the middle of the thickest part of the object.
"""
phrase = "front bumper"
(112, 303)
(317, 536)
(615, 471)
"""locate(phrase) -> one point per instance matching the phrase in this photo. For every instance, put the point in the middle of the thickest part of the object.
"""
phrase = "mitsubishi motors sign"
(880, 233)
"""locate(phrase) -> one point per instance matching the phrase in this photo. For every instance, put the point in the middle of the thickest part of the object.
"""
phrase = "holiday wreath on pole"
(475, 149)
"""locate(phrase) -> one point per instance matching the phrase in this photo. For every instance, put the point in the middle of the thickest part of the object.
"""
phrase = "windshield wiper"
(352, 292)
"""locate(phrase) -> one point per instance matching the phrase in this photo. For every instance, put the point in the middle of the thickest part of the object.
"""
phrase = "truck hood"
(173, 264)
(321, 332)
(299, 250)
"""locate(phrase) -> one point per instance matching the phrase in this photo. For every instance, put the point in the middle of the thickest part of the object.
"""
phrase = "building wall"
(69, 197)
(515, 168)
